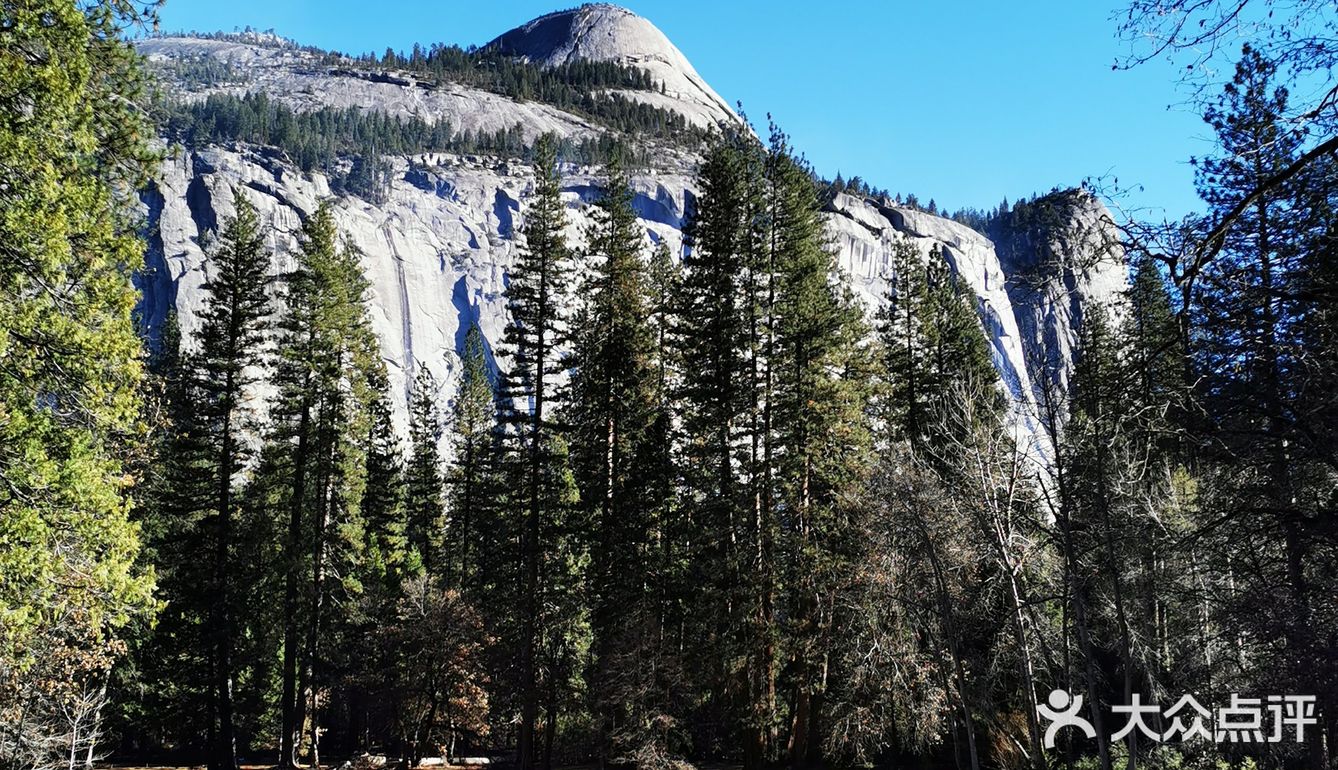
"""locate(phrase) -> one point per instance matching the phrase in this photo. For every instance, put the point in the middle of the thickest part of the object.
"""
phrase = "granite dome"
(604, 32)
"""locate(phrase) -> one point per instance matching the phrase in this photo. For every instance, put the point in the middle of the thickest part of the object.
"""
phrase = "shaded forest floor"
(430, 763)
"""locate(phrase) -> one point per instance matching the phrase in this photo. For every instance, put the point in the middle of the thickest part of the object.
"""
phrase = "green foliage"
(772, 383)
(199, 73)
(386, 560)
(537, 298)
(423, 502)
(818, 379)
(711, 514)
(584, 87)
(548, 627)
(232, 345)
(328, 374)
(932, 348)
(166, 692)
(1262, 409)
(70, 369)
(471, 481)
(349, 145)
(611, 413)
(712, 402)
(490, 69)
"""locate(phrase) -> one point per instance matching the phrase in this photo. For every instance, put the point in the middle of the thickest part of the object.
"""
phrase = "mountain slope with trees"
(647, 464)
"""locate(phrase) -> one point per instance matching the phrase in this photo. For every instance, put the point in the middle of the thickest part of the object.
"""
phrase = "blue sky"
(964, 102)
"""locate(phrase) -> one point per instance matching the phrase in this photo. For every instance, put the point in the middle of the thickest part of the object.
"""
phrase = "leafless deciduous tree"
(51, 712)
(1204, 38)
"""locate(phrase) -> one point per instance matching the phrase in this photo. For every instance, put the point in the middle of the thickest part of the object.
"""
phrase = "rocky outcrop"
(1063, 256)
(438, 246)
(436, 252)
(866, 231)
(305, 81)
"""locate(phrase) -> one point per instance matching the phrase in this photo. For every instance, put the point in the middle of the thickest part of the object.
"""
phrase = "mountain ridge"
(440, 237)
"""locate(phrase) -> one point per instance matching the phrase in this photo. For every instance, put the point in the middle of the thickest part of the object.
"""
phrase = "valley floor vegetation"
(701, 510)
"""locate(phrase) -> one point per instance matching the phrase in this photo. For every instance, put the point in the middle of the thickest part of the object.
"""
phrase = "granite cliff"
(438, 243)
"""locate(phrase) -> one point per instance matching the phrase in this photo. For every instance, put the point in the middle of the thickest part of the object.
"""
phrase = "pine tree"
(959, 354)
(383, 502)
(423, 484)
(1317, 327)
(611, 414)
(940, 414)
(715, 402)
(664, 277)
(1157, 351)
(232, 348)
(1248, 351)
(74, 140)
(1098, 519)
(172, 692)
(1159, 413)
(471, 479)
(357, 658)
(536, 330)
(821, 377)
(932, 347)
(328, 369)
(900, 322)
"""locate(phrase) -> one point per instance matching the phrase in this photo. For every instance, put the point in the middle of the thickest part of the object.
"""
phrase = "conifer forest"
(694, 500)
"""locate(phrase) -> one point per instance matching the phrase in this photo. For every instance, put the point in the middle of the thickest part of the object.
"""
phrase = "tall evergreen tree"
(73, 140)
(1249, 352)
(386, 564)
(423, 485)
(328, 368)
(1317, 327)
(471, 479)
(940, 414)
(715, 400)
(663, 278)
(932, 347)
(171, 694)
(611, 413)
(821, 377)
(536, 298)
(900, 326)
(232, 349)
(383, 502)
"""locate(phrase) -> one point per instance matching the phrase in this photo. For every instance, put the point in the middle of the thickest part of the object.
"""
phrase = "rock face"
(1069, 258)
(437, 251)
(1029, 298)
(866, 232)
(602, 32)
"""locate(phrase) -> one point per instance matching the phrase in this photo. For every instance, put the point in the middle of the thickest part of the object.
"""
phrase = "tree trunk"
(309, 712)
(225, 749)
(550, 723)
(954, 649)
(1089, 661)
(529, 710)
(1026, 669)
(290, 734)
